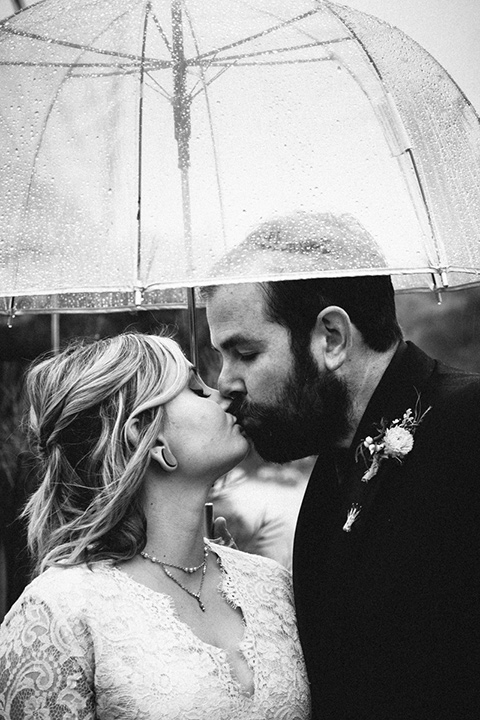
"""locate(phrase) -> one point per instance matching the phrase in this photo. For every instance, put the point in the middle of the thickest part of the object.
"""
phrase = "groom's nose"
(229, 384)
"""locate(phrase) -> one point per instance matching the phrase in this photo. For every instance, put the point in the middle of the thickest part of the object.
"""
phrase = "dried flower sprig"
(353, 513)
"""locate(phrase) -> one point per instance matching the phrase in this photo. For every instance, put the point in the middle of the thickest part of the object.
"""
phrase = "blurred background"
(260, 501)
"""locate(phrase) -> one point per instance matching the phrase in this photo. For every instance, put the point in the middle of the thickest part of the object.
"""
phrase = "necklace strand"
(187, 570)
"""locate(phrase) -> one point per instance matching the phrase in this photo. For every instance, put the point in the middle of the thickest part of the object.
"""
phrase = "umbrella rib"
(217, 169)
(119, 67)
(83, 48)
(436, 241)
(276, 51)
(140, 148)
(354, 37)
(40, 139)
(110, 73)
(201, 80)
(161, 91)
(162, 32)
(274, 62)
(194, 93)
(273, 15)
(232, 61)
(46, 63)
(272, 29)
(37, 151)
(210, 124)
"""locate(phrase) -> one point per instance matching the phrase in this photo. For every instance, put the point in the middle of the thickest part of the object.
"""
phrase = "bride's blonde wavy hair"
(83, 402)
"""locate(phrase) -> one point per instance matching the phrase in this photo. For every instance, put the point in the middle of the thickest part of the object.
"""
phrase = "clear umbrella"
(144, 140)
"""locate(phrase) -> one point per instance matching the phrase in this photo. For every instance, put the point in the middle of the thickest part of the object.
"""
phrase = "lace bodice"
(95, 644)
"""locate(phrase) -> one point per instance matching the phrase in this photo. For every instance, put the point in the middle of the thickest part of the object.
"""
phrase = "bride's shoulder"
(63, 587)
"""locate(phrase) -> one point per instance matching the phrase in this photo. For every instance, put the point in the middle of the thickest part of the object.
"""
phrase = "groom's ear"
(332, 337)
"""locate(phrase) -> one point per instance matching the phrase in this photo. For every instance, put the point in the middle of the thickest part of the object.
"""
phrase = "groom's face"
(286, 402)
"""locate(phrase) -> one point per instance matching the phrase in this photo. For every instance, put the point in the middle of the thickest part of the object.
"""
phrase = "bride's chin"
(241, 455)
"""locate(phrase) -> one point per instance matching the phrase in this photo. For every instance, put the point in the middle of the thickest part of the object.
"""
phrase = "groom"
(387, 549)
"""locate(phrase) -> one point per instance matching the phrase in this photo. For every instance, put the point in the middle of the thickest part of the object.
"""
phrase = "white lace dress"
(95, 644)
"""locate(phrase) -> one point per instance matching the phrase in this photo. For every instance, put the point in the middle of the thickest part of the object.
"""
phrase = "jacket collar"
(401, 384)
(404, 379)
(399, 389)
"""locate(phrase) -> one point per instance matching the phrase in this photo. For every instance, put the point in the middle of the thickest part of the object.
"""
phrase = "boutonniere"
(394, 440)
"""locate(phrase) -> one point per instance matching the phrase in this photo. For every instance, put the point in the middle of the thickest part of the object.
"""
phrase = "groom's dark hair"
(322, 241)
(369, 301)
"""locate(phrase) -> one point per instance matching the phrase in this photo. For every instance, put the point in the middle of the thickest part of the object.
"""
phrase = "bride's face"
(205, 440)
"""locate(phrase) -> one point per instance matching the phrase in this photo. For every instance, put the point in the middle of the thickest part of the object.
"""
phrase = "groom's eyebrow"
(232, 341)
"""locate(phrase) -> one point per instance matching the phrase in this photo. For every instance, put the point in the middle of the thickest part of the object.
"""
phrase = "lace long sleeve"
(45, 672)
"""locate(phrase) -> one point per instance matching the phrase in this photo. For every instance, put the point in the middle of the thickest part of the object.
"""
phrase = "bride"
(133, 613)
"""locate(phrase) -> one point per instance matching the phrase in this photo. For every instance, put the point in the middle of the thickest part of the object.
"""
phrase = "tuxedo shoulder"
(456, 375)
(456, 387)
(450, 430)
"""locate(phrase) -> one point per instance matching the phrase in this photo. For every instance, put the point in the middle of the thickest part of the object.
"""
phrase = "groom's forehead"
(239, 303)
(237, 315)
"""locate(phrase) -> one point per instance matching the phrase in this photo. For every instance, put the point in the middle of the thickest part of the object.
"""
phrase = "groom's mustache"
(237, 408)
(244, 410)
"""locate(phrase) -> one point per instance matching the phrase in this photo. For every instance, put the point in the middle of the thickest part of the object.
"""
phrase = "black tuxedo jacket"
(389, 613)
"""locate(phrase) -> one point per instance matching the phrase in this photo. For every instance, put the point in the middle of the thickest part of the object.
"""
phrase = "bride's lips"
(237, 424)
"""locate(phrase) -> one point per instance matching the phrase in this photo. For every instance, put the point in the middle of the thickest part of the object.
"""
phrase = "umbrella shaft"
(181, 99)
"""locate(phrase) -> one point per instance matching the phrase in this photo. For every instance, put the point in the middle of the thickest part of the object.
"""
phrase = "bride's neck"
(176, 522)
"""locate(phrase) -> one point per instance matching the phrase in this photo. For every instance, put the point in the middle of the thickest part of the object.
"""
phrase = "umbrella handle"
(209, 519)
(192, 325)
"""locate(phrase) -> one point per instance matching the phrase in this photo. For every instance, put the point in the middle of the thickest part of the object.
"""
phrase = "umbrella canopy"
(143, 141)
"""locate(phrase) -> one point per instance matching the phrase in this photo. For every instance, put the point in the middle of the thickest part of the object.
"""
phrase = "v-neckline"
(221, 654)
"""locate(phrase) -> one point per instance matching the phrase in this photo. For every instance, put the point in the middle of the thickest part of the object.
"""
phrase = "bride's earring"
(165, 458)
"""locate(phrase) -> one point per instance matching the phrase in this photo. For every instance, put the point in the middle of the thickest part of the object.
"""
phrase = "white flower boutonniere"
(394, 440)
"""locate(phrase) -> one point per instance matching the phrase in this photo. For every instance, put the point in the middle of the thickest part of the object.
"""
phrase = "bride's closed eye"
(200, 392)
(196, 385)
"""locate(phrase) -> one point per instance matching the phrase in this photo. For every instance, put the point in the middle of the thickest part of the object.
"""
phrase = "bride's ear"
(160, 452)
(166, 459)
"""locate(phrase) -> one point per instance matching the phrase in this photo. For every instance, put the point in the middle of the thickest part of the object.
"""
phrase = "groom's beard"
(311, 412)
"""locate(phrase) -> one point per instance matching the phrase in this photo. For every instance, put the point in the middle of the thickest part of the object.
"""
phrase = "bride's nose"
(218, 398)
(221, 400)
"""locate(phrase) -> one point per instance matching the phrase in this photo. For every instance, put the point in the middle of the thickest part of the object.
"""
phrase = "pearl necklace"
(187, 570)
